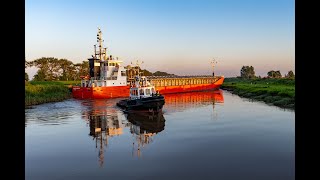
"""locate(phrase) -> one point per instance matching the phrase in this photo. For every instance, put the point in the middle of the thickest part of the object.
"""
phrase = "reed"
(44, 92)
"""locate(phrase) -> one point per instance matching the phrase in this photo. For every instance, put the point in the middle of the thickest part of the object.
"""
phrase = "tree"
(290, 75)
(48, 67)
(146, 72)
(26, 64)
(274, 74)
(66, 69)
(80, 69)
(160, 73)
(247, 72)
(40, 75)
(26, 76)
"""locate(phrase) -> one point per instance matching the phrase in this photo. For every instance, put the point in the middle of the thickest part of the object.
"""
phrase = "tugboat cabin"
(142, 88)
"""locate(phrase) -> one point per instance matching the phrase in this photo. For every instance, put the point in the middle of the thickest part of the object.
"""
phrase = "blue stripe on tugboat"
(142, 97)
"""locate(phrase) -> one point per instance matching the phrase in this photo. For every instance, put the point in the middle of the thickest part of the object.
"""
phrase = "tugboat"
(142, 96)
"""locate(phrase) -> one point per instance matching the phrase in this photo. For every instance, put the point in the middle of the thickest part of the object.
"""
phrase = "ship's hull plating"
(123, 91)
(100, 92)
(190, 88)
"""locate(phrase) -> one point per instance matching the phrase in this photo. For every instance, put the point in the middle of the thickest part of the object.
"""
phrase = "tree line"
(53, 69)
(248, 72)
(50, 68)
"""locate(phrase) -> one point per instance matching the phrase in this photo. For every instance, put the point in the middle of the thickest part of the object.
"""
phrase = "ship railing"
(187, 76)
(108, 78)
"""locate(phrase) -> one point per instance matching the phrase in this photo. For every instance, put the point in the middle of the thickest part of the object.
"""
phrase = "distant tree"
(40, 75)
(146, 72)
(26, 76)
(48, 67)
(80, 69)
(26, 64)
(66, 69)
(247, 72)
(274, 74)
(160, 73)
(290, 75)
(278, 74)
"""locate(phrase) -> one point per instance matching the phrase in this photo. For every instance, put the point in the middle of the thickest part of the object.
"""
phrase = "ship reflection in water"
(199, 135)
(145, 126)
(106, 120)
(104, 123)
(182, 101)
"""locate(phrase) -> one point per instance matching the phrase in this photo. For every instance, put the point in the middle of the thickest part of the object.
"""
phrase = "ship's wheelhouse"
(142, 92)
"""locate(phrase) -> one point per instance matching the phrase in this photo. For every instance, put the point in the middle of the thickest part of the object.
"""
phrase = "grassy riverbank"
(278, 92)
(38, 92)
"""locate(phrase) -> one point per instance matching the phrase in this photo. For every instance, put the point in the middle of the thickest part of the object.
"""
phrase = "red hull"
(187, 88)
(194, 98)
(123, 91)
(190, 88)
(100, 92)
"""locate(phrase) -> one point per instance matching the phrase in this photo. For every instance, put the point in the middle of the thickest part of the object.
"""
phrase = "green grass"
(54, 82)
(39, 92)
(279, 92)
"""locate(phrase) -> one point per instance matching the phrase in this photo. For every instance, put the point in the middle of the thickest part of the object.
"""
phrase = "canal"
(200, 135)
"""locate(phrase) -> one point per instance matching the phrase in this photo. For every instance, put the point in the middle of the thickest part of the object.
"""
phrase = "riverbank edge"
(279, 101)
(42, 98)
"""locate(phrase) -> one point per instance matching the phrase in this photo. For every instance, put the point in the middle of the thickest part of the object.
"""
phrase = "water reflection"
(145, 125)
(85, 139)
(183, 101)
(106, 121)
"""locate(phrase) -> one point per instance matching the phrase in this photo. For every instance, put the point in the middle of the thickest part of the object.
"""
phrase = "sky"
(180, 37)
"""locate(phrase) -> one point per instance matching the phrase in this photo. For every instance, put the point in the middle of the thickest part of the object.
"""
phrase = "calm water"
(199, 135)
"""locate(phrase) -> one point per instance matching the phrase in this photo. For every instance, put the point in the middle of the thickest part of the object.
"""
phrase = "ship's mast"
(213, 63)
(138, 66)
(102, 54)
(102, 51)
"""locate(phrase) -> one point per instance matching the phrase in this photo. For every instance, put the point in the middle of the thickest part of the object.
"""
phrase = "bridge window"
(147, 91)
(141, 91)
(134, 92)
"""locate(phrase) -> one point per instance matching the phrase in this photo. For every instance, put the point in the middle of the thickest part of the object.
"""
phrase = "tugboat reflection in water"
(106, 122)
(145, 126)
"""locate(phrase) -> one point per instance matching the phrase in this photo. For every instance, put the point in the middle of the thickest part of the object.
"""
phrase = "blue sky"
(176, 36)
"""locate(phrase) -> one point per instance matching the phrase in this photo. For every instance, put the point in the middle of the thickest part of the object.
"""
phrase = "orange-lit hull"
(191, 97)
(100, 92)
(182, 101)
(190, 88)
(187, 88)
(123, 91)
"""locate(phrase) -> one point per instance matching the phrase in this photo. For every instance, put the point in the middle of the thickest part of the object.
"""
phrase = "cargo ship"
(108, 78)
